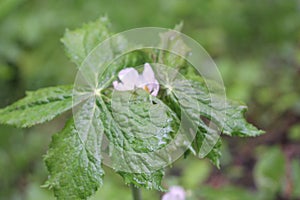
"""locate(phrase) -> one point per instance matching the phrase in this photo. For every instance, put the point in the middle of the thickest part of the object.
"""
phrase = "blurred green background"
(256, 45)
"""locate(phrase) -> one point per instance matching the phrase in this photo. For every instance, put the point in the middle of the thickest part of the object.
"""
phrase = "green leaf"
(207, 110)
(138, 121)
(75, 171)
(80, 42)
(194, 98)
(148, 181)
(138, 125)
(193, 94)
(214, 154)
(229, 117)
(38, 107)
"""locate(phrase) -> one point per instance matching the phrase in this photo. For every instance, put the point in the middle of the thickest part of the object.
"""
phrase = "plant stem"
(136, 192)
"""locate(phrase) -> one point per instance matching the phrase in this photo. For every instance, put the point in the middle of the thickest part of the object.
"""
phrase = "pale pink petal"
(127, 71)
(121, 87)
(128, 77)
(148, 73)
(175, 193)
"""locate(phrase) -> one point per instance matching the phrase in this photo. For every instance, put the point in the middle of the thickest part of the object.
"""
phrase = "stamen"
(146, 88)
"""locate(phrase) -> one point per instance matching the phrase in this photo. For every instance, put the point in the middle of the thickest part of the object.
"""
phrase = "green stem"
(136, 192)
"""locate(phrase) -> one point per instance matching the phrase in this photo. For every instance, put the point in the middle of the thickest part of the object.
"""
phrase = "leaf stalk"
(136, 192)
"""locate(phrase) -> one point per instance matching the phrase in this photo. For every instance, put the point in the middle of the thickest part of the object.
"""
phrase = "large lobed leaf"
(75, 172)
(38, 107)
(189, 94)
(196, 100)
(227, 117)
(80, 42)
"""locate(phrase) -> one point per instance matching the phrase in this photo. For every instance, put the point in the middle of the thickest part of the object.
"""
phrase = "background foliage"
(256, 45)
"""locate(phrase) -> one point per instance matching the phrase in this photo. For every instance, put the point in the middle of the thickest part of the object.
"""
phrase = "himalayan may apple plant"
(74, 158)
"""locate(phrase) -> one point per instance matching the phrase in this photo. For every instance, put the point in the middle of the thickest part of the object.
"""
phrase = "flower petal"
(128, 77)
(121, 87)
(153, 88)
(148, 73)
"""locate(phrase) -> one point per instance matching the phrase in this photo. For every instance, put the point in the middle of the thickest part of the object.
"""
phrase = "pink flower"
(130, 80)
(175, 193)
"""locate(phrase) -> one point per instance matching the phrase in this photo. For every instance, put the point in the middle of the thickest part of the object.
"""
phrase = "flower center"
(146, 88)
